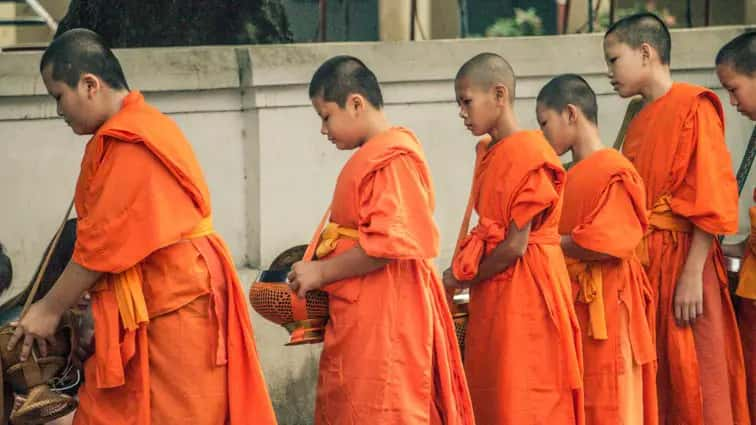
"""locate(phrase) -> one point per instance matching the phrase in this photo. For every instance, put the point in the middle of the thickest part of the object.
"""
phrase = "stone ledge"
(223, 67)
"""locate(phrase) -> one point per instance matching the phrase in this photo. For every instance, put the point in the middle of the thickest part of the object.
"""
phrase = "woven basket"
(31, 377)
(460, 315)
(271, 297)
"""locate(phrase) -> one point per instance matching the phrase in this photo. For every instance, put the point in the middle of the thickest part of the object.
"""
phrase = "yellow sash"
(330, 237)
(662, 218)
(127, 285)
(590, 281)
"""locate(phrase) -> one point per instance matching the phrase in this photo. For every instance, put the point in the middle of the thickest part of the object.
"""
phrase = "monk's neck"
(588, 143)
(376, 124)
(659, 84)
(506, 126)
(115, 100)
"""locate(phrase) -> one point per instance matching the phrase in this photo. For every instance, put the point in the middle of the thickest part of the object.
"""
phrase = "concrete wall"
(271, 173)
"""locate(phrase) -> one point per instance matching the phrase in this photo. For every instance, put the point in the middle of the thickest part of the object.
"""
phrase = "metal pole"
(707, 16)
(611, 11)
(322, 24)
(590, 15)
(463, 18)
(39, 10)
(566, 16)
(689, 14)
(413, 12)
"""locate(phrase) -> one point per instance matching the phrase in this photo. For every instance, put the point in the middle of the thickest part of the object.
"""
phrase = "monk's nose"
(733, 101)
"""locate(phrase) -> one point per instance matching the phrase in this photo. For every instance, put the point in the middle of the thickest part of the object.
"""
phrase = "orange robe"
(390, 353)
(192, 360)
(605, 211)
(677, 145)
(747, 312)
(522, 347)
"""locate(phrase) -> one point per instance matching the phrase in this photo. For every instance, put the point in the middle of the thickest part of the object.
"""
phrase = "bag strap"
(474, 193)
(745, 164)
(46, 262)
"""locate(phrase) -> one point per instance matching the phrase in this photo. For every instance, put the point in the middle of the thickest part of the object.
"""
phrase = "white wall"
(246, 111)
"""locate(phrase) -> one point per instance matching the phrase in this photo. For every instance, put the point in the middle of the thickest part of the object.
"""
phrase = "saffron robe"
(522, 347)
(139, 197)
(390, 354)
(605, 211)
(677, 145)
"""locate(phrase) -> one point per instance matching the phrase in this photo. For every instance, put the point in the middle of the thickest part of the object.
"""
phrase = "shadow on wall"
(293, 396)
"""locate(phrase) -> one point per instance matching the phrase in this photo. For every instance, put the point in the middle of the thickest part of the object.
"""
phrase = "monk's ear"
(91, 83)
(502, 94)
(572, 113)
(355, 103)
(646, 52)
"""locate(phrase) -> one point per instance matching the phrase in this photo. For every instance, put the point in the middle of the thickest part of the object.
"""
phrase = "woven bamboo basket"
(271, 297)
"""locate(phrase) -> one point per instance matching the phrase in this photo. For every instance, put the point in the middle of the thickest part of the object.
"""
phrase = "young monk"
(522, 347)
(173, 339)
(603, 221)
(676, 142)
(736, 69)
(390, 354)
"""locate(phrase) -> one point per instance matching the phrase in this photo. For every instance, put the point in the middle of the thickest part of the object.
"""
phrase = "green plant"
(524, 22)
(663, 13)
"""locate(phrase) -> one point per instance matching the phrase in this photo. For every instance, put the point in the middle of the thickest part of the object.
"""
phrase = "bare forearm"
(66, 291)
(573, 250)
(351, 263)
(699, 250)
(504, 255)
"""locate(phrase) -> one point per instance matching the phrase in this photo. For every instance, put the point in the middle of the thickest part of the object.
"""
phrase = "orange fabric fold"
(522, 346)
(390, 354)
(677, 145)
(589, 278)
(604, 211)
(747, 284)
(146, 232)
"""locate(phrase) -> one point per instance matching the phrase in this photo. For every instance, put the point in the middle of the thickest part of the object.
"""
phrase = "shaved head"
(642, 28)
(569, 89)
(79, 51)
(487, 70)
(740, 54)
(341, 76)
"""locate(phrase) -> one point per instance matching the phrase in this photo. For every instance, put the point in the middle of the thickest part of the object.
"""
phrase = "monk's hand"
(37, 326)
(688, 302)
(450, 281)
(306, 276)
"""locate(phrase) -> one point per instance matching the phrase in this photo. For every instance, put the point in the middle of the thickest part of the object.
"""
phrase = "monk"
(390, 354)
(736, 69)
(174, 342)
(676, 142)
(603, 221)
(522, 347)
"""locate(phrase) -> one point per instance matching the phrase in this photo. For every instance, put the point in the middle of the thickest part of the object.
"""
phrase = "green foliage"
(525, 22)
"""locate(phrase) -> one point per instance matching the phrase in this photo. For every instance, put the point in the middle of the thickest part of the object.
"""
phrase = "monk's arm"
(504, 255)
(309, 275)
(688, 302)
(573, 250)
(351, 263)
(67, 290)
(42, 319)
